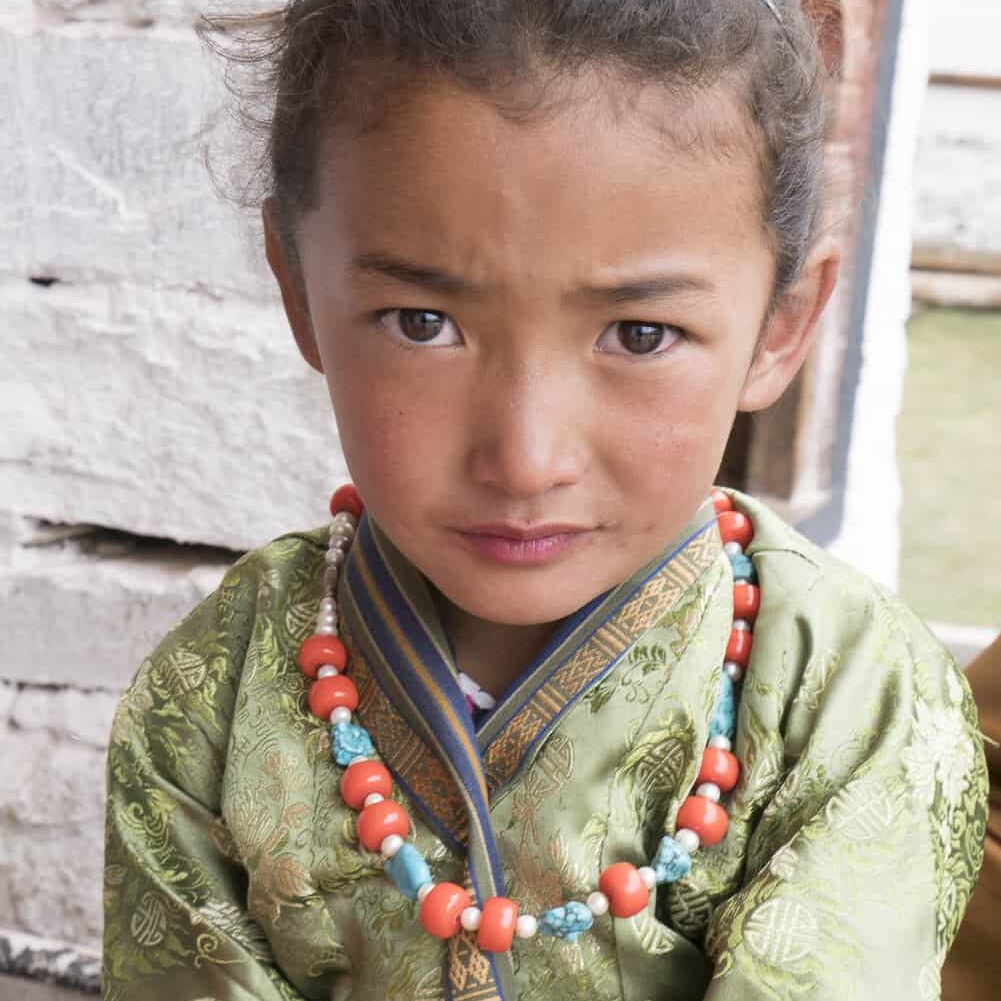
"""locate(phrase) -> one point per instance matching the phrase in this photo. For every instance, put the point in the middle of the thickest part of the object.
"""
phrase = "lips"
(524, 545)
(527, 533)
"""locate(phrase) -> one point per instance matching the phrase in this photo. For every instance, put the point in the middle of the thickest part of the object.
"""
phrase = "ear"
(788, 333)
(288, 274)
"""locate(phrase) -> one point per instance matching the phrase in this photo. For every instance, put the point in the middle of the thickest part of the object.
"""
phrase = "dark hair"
(318, 59)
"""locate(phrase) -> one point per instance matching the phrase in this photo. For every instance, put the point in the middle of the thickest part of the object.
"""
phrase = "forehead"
(503, 190)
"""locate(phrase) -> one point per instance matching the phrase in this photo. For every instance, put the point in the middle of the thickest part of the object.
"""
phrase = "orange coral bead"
(627, 893)
(348, 499)
(721, 501)
(746, 601)
(738, 648)
(362, 779)
(320, 649)
(706, 818)
(378, 821)
(441, 910)
(328, 694)
(735, 527)
(719, 767)
(497, 925)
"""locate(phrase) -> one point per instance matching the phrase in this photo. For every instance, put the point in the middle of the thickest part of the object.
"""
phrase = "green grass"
(949, 446)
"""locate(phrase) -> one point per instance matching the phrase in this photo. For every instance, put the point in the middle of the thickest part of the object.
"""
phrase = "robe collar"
(411, 703)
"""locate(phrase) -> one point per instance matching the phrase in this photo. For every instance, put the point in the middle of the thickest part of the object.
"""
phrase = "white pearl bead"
(720, 743)
(526, 926)
(344, 520)
(327, 671)
(709, 790)
(688, 839)
(648, 876)
(470, 918)
(340, 715)
(742, 624)
(597, 903)
(326, 630)
(327, 606)
(733, 670)
(374, 797)
(424, 890)
(357, 758)
(334, 557)
(391, 844)
(733, 549)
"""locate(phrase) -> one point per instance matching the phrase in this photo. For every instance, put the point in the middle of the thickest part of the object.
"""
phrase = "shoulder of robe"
(837, 617)
(184, 693)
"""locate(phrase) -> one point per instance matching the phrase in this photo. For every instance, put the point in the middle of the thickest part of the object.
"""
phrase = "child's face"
(543, 328)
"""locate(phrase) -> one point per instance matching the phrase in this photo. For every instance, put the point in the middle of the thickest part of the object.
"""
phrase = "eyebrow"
(660, 286)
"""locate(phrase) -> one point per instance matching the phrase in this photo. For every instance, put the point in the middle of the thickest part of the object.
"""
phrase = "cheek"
(667, 439)
(387, 428)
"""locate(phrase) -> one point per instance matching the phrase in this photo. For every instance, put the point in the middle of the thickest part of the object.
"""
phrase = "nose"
(529, 429)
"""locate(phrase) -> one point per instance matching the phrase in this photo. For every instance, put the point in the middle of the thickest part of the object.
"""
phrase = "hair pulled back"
(321, 61)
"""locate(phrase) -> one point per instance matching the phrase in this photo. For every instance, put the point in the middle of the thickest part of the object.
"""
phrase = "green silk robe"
(232, 872)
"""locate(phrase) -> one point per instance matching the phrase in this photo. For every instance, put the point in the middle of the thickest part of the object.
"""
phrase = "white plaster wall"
(958, 175)
(870, 534)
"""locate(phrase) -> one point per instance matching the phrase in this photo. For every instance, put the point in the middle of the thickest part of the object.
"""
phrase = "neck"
(493, 654)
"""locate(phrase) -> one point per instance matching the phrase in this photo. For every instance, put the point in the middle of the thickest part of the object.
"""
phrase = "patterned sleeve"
(867, 849)
(176, 921)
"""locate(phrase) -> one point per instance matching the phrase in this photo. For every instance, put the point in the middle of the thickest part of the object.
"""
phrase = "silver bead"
(328, 606)
(470, 918)
(326, 629)
(648, 876)
(340, 715)
(334, 557)
(742, 624)
(720, 743)
(526, 926)
(372, 798)
(733, 549)
(733, 670)
(327, 671)
(423, 891)
(688, 839)
(709, 790)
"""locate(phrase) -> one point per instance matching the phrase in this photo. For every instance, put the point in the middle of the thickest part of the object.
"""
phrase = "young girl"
(542, 716)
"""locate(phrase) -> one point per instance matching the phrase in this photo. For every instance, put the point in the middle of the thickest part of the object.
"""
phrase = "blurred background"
(155, 420)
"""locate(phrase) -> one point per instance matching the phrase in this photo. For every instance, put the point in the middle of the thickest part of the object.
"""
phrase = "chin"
(513, 605)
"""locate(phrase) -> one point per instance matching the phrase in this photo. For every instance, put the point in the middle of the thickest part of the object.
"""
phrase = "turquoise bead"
(743, 569)
(566, 922)
(349, 741)
(724, 720)
(671, 862)
(408, 870)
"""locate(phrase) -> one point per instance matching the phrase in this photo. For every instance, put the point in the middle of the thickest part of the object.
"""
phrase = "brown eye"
(635, 337)
(640, 338)
(421, 324)
(421, 327)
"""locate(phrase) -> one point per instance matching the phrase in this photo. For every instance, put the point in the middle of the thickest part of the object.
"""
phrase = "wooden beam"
(975, 81)
(956, 260)
(944, 288)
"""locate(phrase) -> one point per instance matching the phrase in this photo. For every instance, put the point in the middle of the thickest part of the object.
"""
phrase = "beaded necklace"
(383, 825)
